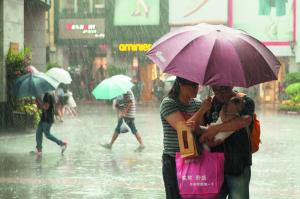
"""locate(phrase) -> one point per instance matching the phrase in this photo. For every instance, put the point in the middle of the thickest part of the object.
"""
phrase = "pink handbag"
(200, 177)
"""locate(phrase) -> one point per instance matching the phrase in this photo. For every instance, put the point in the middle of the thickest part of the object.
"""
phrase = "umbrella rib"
(259, 53)
(183, 46)
(183, 31)
(209, 60)
(235, 51)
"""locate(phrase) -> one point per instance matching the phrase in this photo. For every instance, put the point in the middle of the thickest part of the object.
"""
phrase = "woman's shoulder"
(168, 101)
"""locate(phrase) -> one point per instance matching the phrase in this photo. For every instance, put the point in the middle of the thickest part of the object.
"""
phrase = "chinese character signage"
(81, 29)
(136, 12)
(190, 12)
(266, 20)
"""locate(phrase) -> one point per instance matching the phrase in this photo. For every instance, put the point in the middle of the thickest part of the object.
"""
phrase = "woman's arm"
(46, 106)
(198, 117)
(174, 118)
(194, 121)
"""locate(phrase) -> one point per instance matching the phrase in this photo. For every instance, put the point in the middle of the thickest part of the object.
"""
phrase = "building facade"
(77, 41)
(132, 28)
(98, 33)
(97, 36)
(22, 24)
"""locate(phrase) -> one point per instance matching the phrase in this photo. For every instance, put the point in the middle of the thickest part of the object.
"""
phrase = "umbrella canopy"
(124, 77)
(215, 55)
(33, 84)
(60, 75)
(111, 88)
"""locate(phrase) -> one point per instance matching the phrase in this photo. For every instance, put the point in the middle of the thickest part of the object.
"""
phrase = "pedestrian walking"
(71, 104)
(126, 107)
(158, 89)
(45, 124)
(237, 147)
(137, 89)
(60, 103)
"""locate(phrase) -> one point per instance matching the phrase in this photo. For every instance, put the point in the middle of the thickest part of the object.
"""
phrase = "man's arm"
(232, 125)
(126, 109)
(39, 103)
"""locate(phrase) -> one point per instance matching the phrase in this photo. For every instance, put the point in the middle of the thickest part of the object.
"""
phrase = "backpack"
(255, 131)
(255, 134)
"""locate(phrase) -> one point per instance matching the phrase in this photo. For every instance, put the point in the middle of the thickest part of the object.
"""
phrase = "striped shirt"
(128, 98)
(167, 107)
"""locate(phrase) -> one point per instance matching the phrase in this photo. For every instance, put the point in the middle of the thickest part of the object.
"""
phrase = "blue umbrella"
(33, 84)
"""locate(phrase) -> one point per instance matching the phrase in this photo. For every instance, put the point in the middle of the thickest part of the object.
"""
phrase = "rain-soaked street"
(89, 171)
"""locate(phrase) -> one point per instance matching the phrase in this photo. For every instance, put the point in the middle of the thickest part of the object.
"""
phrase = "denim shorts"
(129, 122)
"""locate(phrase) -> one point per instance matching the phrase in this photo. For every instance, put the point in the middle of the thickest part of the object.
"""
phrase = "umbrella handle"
(210, 93)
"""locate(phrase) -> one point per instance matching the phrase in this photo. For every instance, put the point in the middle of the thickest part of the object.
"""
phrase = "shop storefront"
(131, 57)
(81, 43)
(276, 29)
(133, 30)
(22, 24)
(273, 24)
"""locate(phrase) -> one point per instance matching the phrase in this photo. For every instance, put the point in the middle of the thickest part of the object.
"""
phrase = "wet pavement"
(89, 171)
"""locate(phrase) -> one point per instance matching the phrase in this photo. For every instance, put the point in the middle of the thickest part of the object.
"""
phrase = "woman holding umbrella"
(47, 119)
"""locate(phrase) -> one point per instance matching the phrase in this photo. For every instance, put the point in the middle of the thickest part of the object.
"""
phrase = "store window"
(67, 8)
(85, 9)
(99, 6)
(82, 8)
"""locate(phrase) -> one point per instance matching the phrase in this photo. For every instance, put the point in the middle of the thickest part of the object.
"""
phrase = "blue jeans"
(236, 187)
(45, 127)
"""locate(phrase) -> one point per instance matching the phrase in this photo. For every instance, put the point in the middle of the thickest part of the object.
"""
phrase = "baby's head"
(235, 106)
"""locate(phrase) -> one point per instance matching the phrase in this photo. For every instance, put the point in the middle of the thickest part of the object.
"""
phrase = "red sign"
(81, 28)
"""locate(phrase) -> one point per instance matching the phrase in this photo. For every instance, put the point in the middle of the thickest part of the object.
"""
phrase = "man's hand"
(122, 114)
(209, 135)
(206, 104)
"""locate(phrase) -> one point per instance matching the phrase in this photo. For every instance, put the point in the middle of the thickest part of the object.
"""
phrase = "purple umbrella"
(215, 55)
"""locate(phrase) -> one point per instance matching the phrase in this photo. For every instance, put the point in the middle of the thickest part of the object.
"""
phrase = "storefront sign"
(81, 28)
(14, 47)
(134, 47)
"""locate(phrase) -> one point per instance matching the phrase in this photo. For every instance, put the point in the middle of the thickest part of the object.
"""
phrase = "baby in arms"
(229, 111)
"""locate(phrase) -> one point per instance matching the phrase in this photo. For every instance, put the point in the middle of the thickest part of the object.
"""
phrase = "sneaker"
(140, 148)
(63, 147)
(107, 146)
